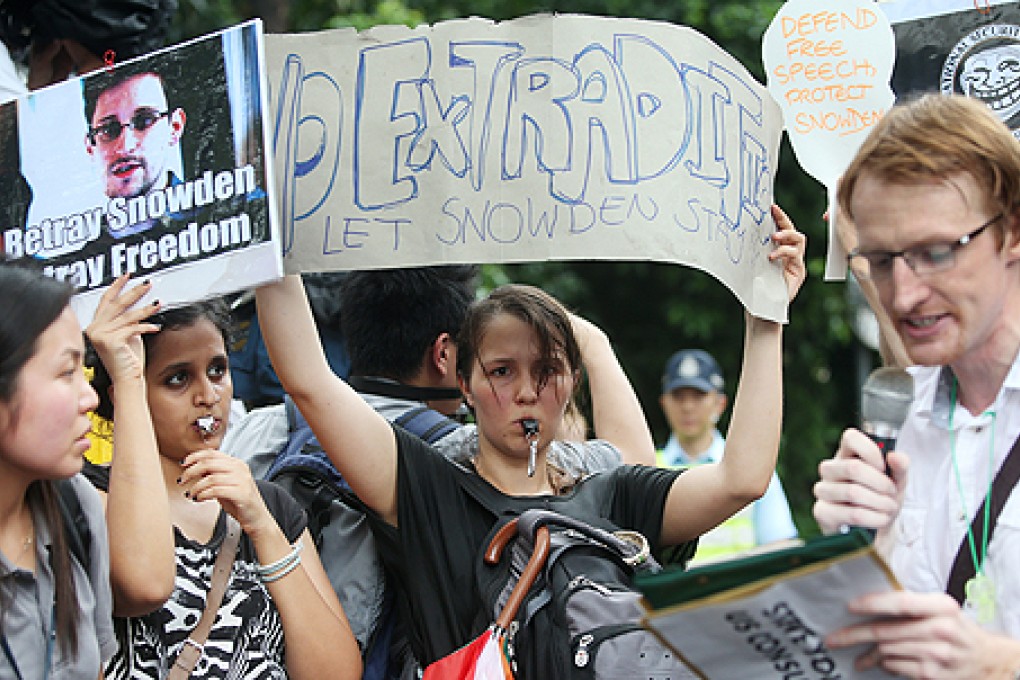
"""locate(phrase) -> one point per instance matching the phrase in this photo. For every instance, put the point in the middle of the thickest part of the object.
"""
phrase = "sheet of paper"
(828, 64)
(775, 632)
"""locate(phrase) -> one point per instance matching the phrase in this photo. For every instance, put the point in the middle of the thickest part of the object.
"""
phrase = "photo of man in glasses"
(101, 179)
(133, 135)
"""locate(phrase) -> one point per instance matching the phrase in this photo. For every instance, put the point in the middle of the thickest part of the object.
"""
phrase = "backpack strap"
(385, 387)
(192, 649)
(426, 423)
(1005, 479)
(295, 421)
(303, 451)
(76, 526)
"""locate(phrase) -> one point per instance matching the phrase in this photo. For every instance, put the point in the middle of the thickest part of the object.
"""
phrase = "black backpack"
(581, 619)
(343, 537)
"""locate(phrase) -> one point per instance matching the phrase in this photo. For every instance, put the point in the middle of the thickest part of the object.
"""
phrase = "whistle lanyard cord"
(978, 564)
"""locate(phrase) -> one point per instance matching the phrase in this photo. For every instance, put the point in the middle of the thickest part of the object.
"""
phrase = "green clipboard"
(675, 586)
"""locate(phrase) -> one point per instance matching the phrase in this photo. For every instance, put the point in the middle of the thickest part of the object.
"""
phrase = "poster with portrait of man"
(156, 167)
(959, 46)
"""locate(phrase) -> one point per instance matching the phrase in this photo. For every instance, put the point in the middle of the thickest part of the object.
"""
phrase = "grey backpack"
(581, 620)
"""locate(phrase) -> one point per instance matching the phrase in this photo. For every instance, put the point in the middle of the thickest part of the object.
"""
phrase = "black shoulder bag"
(963, 566)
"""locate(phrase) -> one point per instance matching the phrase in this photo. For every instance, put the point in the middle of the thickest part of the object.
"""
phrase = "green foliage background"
(651, 310)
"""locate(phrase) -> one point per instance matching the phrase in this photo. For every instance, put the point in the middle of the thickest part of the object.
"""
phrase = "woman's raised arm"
(358, 441)
(137, 509)
(707, 495)
(616, 411)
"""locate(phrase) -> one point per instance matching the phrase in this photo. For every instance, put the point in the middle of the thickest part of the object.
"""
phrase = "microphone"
(885, 402)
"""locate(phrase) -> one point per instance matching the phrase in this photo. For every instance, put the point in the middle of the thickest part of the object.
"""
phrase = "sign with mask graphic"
(961, 47)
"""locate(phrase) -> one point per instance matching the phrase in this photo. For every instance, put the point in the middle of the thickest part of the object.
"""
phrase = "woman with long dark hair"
(56, 597)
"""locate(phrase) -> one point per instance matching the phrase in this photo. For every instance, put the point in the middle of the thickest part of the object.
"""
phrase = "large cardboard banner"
(155, 167)
(546, 137)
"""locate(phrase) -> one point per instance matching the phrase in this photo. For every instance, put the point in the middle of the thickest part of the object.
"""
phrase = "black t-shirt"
(445, 513)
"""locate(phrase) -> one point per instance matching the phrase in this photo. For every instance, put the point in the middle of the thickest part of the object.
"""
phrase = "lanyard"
(979, 558)
(49, 647)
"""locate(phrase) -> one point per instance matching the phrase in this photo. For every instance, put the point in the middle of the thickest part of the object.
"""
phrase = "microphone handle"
(884, 435)
(886, 443)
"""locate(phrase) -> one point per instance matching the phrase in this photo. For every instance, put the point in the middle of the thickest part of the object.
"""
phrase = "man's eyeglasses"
(109, 130)
(877, 265)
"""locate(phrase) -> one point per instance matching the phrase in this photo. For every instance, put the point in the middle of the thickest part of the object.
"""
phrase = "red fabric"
(482, 659)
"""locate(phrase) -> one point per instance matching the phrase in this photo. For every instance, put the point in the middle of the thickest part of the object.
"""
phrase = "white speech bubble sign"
(829, 65)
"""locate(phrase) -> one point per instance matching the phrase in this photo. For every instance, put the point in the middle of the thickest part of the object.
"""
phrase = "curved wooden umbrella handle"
(527, 579)
(499, 541)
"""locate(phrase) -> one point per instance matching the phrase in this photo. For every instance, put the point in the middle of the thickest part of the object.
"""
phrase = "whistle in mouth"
(530, 426)
(206, 424)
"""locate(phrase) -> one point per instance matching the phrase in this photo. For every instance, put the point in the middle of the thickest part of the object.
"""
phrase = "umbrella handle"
(528, 576)
(499, 541)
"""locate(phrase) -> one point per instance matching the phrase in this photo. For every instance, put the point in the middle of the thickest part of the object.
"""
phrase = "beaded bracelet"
(283, 572)
(265, 570)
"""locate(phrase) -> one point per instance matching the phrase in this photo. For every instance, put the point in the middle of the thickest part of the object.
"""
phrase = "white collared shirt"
(935, 518)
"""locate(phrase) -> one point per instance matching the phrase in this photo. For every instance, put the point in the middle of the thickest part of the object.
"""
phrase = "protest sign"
(546, 137)
(961, 47)
(828, 64)
(155, 167)
(765, 615)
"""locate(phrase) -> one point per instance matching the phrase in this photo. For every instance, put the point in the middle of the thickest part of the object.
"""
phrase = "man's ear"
(441, 354)
(721, 402)
(177, 120)
(1011, 237)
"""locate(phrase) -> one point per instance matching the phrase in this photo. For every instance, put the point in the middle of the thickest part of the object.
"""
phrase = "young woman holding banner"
(518, 361)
